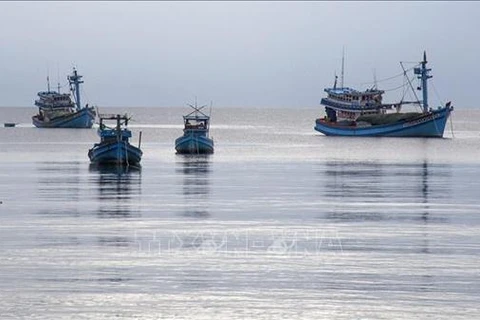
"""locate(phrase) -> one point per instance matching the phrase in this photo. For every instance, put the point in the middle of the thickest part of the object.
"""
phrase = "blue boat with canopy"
(195, 139)
(350, 112)
(114, 147)
(58, 110)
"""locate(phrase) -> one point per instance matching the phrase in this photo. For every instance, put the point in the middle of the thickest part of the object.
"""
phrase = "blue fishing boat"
(114, 146)
(195, 139)
(58, 110)
(350, 112)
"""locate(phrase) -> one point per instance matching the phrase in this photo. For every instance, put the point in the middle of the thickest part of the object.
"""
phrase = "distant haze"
(236, 54)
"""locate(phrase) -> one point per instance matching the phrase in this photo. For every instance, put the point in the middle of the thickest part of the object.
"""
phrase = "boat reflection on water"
(195, 170)
(384, 191)
(119, 189)
(116, 169)
(391, 207)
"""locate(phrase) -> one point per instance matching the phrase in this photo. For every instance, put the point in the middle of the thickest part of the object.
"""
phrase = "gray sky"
(251, 54)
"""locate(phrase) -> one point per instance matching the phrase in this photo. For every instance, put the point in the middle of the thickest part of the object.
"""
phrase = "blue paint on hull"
(115, 153)
(83, 118)
(194, 144)
(428, 125)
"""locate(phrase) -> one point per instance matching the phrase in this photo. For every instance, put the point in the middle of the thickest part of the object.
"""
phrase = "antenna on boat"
(375, 79)
(48, 77)
(196, 108)
(343, 67)
(58, 78)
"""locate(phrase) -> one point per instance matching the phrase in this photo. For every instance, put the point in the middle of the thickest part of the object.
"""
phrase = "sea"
(281, 222)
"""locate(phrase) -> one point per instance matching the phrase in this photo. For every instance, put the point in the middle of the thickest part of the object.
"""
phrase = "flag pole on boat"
(343, 67)
(48, 77)
(58, 78)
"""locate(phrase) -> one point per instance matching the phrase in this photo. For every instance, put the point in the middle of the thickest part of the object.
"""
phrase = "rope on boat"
(436, 93)
(410, 83)
(82, 91)
(441, 101)
(451, 125)
(399, 87)
(389, 78)
(436, 126)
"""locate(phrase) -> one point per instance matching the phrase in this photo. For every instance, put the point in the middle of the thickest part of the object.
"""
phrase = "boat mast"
(343, 65)
(424, 76)
(75, 80)
(58, 78)
(48, 78)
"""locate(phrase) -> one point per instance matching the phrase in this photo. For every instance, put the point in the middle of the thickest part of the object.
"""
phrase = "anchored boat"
(195, 139)
(114, 146)
(350, 112)
(58, 110)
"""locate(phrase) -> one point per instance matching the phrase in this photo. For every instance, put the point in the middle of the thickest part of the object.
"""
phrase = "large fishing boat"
(58, 110)
(350, 112)
(195, 137)
(114, 147)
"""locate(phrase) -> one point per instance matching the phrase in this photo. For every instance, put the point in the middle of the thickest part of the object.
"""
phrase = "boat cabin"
(117, 133)
(348, 104)
(196, 123)
(53, 99)
(354, 97)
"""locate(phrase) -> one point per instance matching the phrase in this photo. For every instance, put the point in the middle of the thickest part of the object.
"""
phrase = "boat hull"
(429, 125)
(194, 144)
(118, 153)
(83, 118)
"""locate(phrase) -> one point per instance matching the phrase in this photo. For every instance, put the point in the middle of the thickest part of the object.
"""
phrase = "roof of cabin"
(52, 94)
(196, 117)
(109, 116)
(347, 90)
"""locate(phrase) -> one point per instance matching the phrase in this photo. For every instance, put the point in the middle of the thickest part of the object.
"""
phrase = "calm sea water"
(280, 223)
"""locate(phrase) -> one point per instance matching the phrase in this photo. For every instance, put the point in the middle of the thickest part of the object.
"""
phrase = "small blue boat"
(195, 139)
(114, 147)
(57, 110)
(361, 113)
